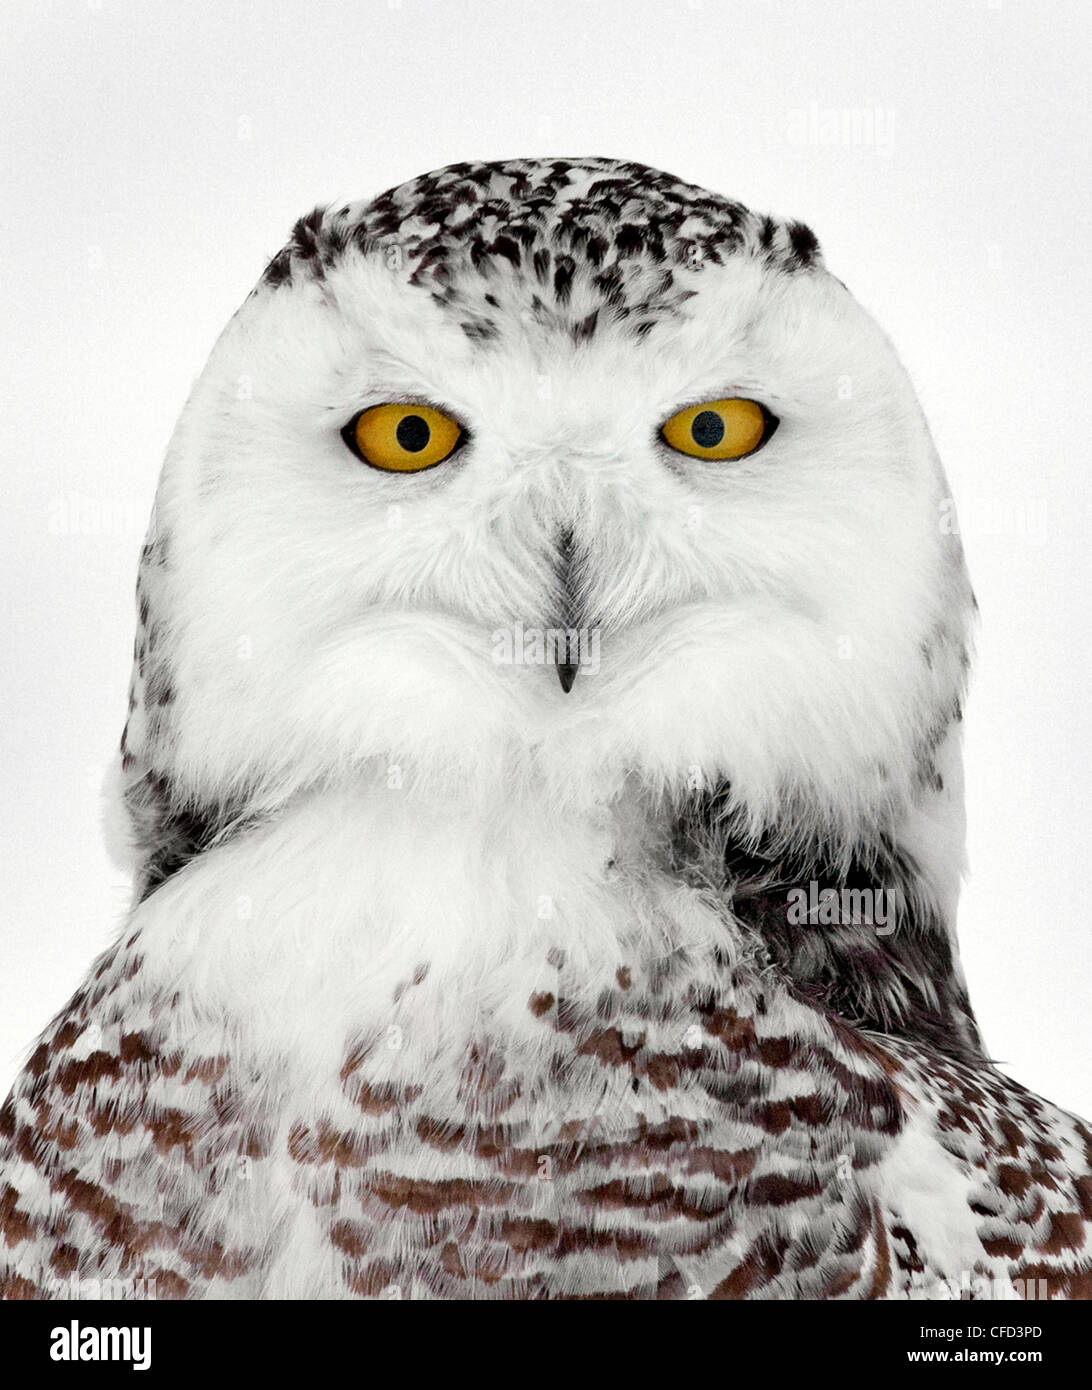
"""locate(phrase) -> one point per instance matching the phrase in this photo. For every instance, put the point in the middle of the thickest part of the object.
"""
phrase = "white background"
(155, 155)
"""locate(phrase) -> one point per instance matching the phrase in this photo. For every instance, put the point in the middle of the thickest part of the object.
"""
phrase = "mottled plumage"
(446, 981)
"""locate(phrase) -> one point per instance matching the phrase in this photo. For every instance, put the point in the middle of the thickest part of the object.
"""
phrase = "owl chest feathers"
(378, 1046)
(506, 1048)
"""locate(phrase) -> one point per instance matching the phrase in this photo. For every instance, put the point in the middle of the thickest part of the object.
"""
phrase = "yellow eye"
(405, 438)
(726, 429)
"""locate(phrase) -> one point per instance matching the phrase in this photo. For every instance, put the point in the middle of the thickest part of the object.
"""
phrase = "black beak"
(568, 662)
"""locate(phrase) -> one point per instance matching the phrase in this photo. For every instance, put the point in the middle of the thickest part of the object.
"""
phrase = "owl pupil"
(412, 433)
(707, 429)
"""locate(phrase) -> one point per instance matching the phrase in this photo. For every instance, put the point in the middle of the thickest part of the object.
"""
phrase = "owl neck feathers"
(865, 929)
(865, 933)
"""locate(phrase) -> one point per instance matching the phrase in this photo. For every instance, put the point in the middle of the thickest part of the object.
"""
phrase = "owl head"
(568, 478)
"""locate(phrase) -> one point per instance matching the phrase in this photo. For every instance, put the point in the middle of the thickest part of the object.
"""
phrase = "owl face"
(492, 408)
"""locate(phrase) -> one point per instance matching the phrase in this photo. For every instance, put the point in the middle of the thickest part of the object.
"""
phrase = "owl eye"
(402, 438)
(728, 429)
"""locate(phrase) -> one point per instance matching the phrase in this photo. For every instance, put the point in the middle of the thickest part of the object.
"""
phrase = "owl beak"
(568, 668)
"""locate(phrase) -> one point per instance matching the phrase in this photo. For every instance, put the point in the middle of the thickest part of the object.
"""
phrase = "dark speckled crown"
(621, 230)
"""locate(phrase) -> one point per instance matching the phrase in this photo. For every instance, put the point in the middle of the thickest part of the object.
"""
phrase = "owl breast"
(661, 1140)
(576, 1084)
(319, 1067)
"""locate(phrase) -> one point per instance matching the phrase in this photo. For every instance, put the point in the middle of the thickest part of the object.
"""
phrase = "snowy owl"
(542, 782)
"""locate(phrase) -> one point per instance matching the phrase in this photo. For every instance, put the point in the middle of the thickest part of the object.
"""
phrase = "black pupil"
(708, 429)
(412, 433)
